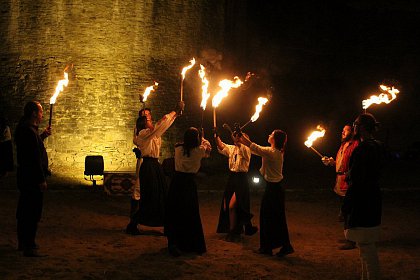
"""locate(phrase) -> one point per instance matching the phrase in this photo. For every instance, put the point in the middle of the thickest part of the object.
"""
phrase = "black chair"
(94, 166)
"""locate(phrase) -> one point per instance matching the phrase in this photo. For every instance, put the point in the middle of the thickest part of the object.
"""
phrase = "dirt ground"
(82, 233)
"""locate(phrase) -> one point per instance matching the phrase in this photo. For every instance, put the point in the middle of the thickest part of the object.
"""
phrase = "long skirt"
(273, 226)
(153, 191)
(238, 185)
(183, 226)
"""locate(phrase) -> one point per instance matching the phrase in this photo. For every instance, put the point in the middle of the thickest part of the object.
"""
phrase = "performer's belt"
(341, 173)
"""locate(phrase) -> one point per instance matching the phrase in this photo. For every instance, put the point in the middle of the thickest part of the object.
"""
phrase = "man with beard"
(341, 163)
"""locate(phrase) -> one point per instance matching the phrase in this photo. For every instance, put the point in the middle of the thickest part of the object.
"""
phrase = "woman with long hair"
(274, 232)
(183, 227)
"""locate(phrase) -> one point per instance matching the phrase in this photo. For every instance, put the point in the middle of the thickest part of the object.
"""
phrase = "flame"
(186, 68)
(315, 135)
(148, 90)
(204, 93)
(261, 101)
(60, 86)
(225, 85)
(381, 98)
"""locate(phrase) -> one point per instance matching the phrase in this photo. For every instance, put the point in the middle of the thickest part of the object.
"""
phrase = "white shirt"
(239, 157)
(190, 164)
(272, 162)
(149, 141)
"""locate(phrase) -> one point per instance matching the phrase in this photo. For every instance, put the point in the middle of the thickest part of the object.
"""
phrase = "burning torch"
(60, 87)
(183, 72)
(388, 94)
(315, 135)
(147, 91)
(204, 91)
(261, 102)
(225, 86)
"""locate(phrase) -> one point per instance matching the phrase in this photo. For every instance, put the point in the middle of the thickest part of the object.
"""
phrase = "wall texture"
(117, 49)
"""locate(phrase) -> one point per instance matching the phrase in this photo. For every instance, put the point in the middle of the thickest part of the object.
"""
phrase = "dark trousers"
(28, 214)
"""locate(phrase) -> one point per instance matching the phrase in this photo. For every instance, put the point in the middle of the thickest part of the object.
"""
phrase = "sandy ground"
(82, 233)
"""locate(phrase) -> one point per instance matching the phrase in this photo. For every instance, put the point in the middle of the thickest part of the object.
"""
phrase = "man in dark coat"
(31, 175)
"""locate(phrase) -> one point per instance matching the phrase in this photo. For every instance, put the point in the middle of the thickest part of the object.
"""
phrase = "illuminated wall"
(117, 48)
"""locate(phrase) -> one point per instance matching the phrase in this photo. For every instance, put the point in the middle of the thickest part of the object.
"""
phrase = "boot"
(132, 225)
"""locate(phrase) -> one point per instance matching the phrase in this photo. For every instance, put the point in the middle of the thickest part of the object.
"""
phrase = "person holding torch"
(153, 190)
(341, 164)
(362, 205)
(235, 212)
(274, 232)
(31, 176)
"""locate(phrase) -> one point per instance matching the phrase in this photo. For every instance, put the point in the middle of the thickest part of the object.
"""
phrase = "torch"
(315, 135)
(183, 72)
(147, 91)
(204, 91)
(225, 86)
(59, 88)
(261, 102)
(388, 94)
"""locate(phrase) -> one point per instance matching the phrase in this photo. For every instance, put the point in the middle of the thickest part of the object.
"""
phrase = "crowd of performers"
(176, 207)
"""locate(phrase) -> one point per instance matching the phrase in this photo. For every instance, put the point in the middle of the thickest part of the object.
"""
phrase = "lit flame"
(391, 94)
(225, 85)
(186, 68)
(60, 87)
(315, 135)
(204, 93)
(261, 101)
(148, 90)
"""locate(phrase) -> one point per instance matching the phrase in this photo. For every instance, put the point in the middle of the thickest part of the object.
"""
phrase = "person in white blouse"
(274, 232)
(235, 208)
(183, 227)
(153, 190)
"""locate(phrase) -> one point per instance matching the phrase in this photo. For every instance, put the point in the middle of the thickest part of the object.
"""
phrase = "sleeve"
(205, 147)
(226, 150)
(160, 127)
(260, 151)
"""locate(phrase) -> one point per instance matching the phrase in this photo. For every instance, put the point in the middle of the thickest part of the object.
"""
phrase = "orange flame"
(225, 86)
(315, 135)
(148, 90)
(60, 86)
(391, 94)
(204, 93)
(261, 101)
(186, 68)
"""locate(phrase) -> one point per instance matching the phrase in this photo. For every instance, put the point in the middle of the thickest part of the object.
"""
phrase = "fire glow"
(204, 88)
(226, 86)
(59, 88)
(389, 95)
(315, 135)
(148, 90)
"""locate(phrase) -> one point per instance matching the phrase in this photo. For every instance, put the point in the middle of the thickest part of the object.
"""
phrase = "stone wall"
(116, 49)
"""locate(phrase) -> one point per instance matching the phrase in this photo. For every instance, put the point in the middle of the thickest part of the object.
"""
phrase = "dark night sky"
(322, 61)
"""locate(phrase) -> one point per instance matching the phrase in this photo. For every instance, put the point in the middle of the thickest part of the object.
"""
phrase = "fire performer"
(235, 212)
(183, 227)
(341, 163)
(274, 232)
(362, 206)
(31, 176)
(153, 183)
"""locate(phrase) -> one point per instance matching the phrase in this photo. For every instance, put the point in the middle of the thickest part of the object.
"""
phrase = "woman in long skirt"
(183, 227)
(274, 232)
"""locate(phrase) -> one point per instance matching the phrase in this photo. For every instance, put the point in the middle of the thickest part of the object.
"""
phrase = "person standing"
(341, 163)
(362, 206)
(135, 197)
(274, 232)
(183, 227)
(153, 190)
(235, 212)
(32, 170)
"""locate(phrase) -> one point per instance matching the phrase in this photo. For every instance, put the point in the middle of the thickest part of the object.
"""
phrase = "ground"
(82, 233)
